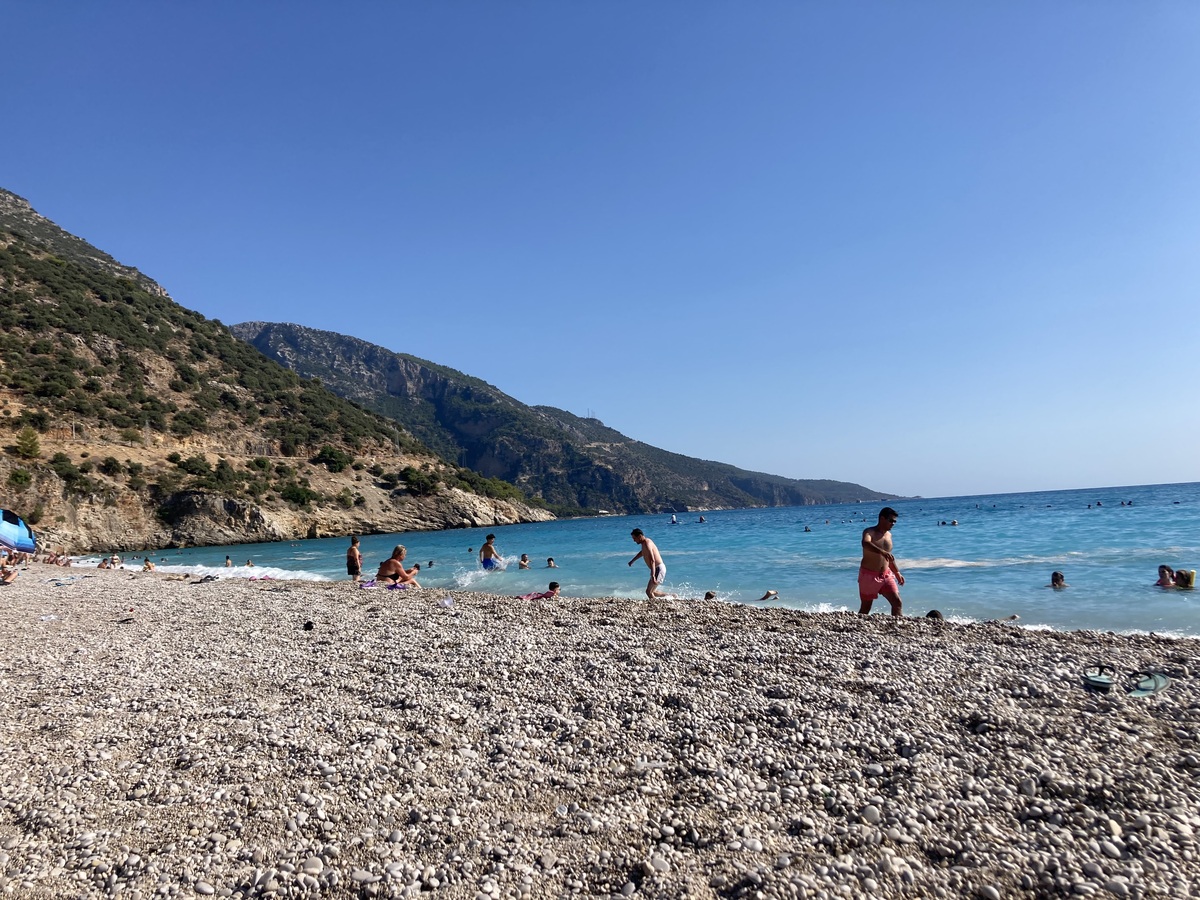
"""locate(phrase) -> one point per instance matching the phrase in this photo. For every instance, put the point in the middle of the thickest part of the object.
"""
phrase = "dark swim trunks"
(490, 563)
(353, 569)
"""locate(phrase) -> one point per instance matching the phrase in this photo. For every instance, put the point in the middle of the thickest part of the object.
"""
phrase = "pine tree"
(28, 445)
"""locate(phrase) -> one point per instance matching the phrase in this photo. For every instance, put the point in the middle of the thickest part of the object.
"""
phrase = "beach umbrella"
(15, 534)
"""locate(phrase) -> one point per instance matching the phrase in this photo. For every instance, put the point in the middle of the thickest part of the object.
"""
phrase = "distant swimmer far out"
(1058, 581)
(489, 556)
(877, 573)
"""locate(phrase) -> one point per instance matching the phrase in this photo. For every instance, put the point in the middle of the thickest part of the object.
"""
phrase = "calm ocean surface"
(995, 563)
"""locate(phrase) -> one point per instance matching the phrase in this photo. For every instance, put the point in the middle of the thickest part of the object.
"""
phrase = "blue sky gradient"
(934, 248)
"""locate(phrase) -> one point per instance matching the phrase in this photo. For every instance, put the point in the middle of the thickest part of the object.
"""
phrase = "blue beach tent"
(15, 534)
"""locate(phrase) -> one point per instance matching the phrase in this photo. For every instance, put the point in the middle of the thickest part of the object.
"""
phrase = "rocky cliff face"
(567, 460)
(123, 519)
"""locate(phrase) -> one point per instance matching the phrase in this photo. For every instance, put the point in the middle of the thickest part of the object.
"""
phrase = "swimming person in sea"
(524, 562)
(489, 556)
(1058, 581)
(1166, 577)
(877, 573)
(654, 561)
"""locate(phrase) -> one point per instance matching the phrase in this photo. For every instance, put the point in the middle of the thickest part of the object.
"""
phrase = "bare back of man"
(877, 573)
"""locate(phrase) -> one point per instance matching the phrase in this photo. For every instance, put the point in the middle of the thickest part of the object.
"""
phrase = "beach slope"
(256, 738)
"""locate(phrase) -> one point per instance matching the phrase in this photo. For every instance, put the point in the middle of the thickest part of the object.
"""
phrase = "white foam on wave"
(253, 573)
(945, 562)
(469, 579)
(824, 607)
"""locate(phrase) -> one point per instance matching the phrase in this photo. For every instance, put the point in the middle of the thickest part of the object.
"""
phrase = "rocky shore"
(266, 738)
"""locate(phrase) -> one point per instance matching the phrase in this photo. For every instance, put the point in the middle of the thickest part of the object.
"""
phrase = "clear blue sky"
(934, 248)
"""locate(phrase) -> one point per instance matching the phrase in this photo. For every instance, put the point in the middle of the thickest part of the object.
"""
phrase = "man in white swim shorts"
(654, 561)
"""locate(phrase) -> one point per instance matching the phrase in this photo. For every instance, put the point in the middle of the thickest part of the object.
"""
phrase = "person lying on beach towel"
(544, 595)
(7, 575)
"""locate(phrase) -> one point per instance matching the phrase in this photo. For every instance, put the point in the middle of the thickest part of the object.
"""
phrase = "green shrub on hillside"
(333, 459)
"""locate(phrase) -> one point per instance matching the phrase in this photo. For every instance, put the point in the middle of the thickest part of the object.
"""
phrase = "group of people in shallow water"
(878, 573)
(1175, 578)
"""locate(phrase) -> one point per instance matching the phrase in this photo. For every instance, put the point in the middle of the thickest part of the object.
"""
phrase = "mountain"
(568, 461)
(137, 423)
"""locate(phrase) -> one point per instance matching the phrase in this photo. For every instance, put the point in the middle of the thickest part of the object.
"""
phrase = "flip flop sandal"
(1147, 683)
(1100, 677)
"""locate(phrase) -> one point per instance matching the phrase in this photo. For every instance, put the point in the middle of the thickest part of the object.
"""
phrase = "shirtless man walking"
(877, 574)
(658, 569)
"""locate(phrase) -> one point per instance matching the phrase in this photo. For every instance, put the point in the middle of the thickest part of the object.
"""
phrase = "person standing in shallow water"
(658, 569)
(877, 573)
(354, 560)
(489, 556)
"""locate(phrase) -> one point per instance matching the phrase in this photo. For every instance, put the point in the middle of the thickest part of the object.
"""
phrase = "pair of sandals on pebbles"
(1102, 678)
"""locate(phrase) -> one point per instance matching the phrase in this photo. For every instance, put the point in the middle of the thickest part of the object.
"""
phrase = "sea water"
(995, 562)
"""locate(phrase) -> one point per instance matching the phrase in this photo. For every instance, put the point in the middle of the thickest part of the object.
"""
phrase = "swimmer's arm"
(640, 554)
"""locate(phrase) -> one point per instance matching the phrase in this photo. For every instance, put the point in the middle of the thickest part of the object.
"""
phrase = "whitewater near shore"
(266, 738)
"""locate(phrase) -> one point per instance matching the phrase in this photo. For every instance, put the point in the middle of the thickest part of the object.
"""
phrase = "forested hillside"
(133, 421)
(566, 460)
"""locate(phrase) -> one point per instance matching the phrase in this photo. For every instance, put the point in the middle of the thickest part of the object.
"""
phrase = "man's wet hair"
(554, 585)
(637, 532)
(889, 512)
(934, 614)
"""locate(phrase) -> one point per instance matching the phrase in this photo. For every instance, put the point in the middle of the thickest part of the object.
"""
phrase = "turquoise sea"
(995, 562)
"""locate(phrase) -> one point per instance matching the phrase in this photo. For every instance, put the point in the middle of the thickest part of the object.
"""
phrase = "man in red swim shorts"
(877, 573)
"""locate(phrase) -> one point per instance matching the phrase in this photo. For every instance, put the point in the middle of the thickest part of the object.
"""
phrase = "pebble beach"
(303, 739)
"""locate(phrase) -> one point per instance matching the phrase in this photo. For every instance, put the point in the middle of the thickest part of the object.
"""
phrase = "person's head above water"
(1057, 579)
